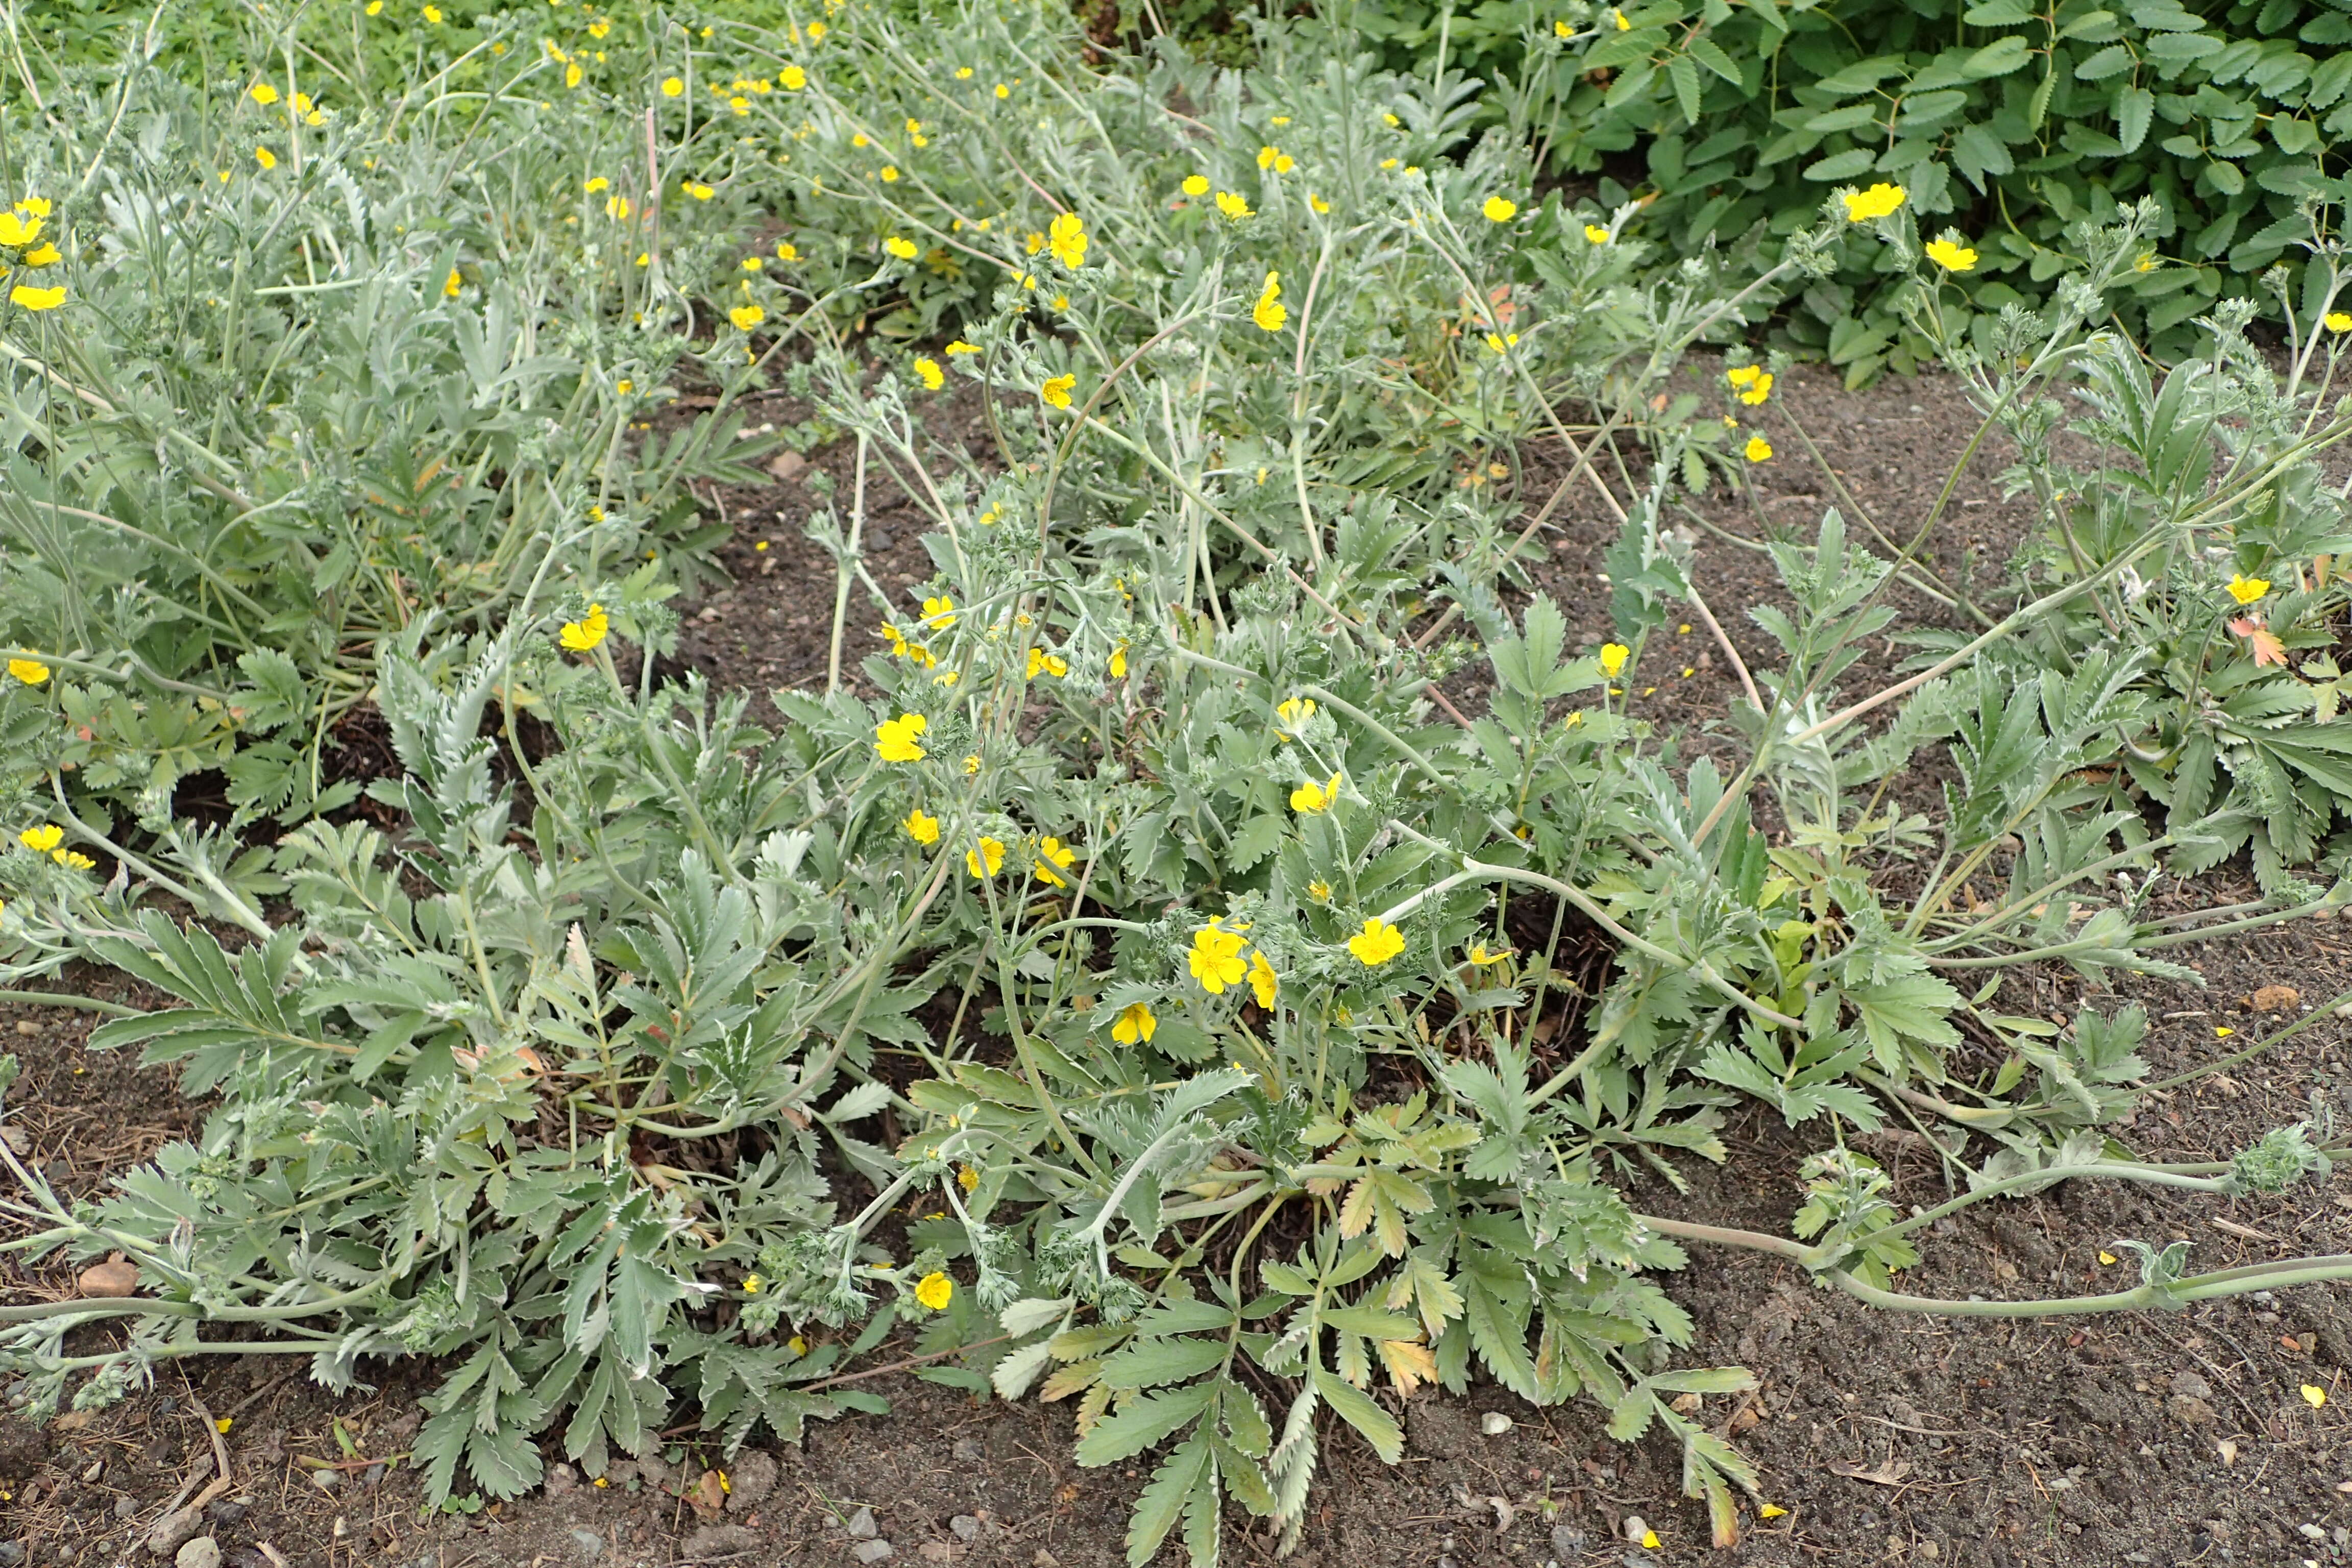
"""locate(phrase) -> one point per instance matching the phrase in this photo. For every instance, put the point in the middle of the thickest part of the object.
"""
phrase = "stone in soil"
(871, 1551)
(174, 1529)
(966, 1526)
(204, 1552)
(862, 1526)
(750, 1481)
(592, 1545)
(720, 1541)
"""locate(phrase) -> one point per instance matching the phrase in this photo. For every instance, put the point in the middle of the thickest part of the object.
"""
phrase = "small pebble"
(125, 1507)
(966, 1526)
(204, 1552)
(11, 1554)
(862, 1526)
(1636, 1526)
(871, 1551)
(1494, 1424)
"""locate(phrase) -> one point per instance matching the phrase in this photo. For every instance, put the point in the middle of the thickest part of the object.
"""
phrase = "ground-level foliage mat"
(1164, 997)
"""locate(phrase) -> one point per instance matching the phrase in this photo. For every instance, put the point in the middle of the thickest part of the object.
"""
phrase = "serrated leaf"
(1357, 1408)
(1125, 1433)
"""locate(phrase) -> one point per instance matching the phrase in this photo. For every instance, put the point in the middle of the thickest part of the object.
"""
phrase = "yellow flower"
(962, 347)
(1876, 202)
(1053, 856)
(935, 1291)
(71, 859)
(991, 853)
(1757, 390)
(601, 183)
(1625, 26)
(1377, 943)
(453, 283)
(1500, 209)
(572, 74)
(264, 157)
(2246, 590)
(15, 230)
(1291, 715)
(31, 671)
(904, 250)
(585, 632)
(1004, 91)
(1481, 956)
(963, 73)
(1758, 450)
(753, 264)
(1052, 664)
(1562, 30)
(1267, 155)
(922, 829)
(939, 612)
(43, 839)
(1596, 235)
(1195, 186)
(1057, 392)
(894, 739)
(1318, 203)
(1320, 891)
(1311, 797)
(263, 93)
(927, 371)
(746, 316)
(671, 87)
(1502, 343)
(433, 14)
(1951, 256)
(1743, 376)
(967, 1178)
(1614, 656)
(2338, 321)
(889, 173)
(1068, 237)
(1216, 958)
(1770, 1511)
(34, 206)
(31, 299)
(1118, 662)
(1036, 242)
(1270, 312)
(699, 191)
(1262, 980)
(972, 764)
(751, 1284)
(600, 28)
(1233, 206)
(617, 208)
(1135, 1024)
(2314, 1395)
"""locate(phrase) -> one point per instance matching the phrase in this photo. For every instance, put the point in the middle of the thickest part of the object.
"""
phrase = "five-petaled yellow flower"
(43, 839)
(989, 857)
(585, 632)
(1264, 982)
(1320, 891)
(672, 87)
(1291, 715)
(935, 1291)
(1233, 206)
(452, 284)
(1614, 656)
(904, 250)
(894, 740)
(922, 829)
(1758, 450)
(962, 347)
(1500, 209)
(1759, 386)
(1056, 391)
(1053, 857)
(1118, 662)
(264, 157)
(1216, 958)
(1271, 314)
(1596, 235)
(1876, 202)
(1135, 1024)
(1311, 797)
(2338, 321)
(1066, 235)
(746, 316)
(1052, 664)
(25, 296)
(792, 79)
(938, 611)
(752, 1284)
(929, 373)
(263, 93)
(2246, 590)
(1951, 256)
(1377, 943)
(31, 671)
(1481, 955)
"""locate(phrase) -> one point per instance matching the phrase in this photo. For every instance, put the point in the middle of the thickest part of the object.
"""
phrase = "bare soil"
(2166, 1440)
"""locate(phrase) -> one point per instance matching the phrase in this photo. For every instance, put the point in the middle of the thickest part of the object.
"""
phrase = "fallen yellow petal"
(1649, 1541)
(2107, 1258)
(2314, 1395)
(1770, 1511)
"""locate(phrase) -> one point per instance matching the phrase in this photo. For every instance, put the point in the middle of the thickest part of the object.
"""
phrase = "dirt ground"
(2191, 1438)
